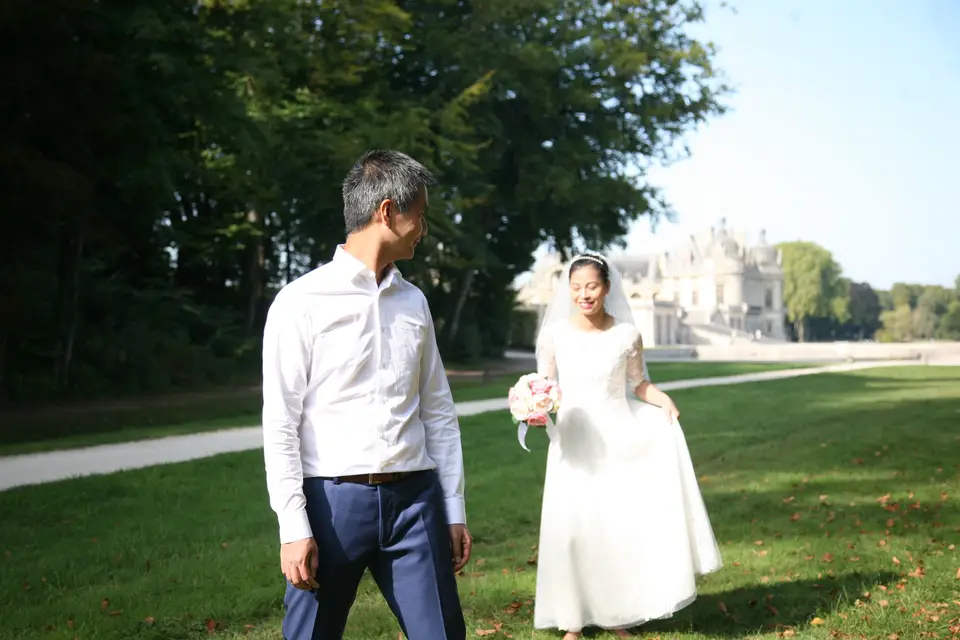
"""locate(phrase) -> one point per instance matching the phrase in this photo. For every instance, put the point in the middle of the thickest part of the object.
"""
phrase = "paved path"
(38, 468)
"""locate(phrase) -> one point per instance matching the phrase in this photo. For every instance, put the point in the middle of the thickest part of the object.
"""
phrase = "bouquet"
(531, 400)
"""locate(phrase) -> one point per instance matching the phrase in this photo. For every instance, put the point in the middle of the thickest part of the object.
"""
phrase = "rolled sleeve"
(286, 365)
(441, 427)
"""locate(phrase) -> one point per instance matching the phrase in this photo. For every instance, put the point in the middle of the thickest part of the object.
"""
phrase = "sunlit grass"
(833, 498)
(48, 430)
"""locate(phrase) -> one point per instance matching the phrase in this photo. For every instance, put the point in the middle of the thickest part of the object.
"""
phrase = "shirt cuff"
(456, 511)
(294, 526)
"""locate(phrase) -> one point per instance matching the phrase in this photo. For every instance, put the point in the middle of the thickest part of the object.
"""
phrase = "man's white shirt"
(353, 384)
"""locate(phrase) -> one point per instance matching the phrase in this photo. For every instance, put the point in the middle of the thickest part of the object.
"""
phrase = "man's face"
(409, 227)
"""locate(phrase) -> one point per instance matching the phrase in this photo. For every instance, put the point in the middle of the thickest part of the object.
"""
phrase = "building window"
(719, 294)
(769, 327)
(768, 298)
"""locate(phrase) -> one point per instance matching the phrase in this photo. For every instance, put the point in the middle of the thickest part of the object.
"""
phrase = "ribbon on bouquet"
(522, 435)
(523, 428)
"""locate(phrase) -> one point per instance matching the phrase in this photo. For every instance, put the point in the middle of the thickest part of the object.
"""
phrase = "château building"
(715, 289)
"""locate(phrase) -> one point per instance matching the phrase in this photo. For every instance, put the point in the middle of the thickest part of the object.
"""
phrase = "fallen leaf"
(486, 632)
(896, 560)
(817, 621)
(211, 626)
(149, 619)
(723, 607)
(104, 604)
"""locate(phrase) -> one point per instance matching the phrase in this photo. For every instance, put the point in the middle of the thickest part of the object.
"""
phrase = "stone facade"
(715, 289)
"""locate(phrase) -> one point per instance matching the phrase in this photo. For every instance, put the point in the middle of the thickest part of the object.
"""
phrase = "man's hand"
(462, 543)
(299, 562)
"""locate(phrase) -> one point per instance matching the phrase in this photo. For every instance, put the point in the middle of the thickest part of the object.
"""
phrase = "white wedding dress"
(624, 532)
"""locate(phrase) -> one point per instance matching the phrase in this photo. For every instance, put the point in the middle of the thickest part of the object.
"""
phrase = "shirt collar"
(353, 268)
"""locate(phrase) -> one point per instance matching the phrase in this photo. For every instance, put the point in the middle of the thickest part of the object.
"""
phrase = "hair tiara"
(586, 256)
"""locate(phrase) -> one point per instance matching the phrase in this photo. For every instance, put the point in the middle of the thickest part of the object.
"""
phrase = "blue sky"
(844, 130)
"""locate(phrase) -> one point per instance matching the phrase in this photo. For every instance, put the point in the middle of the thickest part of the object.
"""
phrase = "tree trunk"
(800, 326)
(68, 298)
(3, 362)
(461, 302)
(255, 265)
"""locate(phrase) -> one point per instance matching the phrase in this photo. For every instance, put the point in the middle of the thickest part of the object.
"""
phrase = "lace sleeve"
(546, 356)
(636, 364)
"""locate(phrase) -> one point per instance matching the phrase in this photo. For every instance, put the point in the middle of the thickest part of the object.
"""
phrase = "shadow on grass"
(745, 611)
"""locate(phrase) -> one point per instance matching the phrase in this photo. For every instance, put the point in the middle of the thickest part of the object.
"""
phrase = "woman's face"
(588, 290)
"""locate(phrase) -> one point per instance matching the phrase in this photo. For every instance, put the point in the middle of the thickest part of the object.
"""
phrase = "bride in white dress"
(624, 532)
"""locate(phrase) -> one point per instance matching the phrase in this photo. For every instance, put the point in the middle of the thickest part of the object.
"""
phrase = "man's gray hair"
(377, 176)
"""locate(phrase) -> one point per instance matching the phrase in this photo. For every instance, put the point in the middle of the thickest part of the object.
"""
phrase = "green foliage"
(171, 164)
(865, 307)
(812, 285)
(821, 304)
(925, 312)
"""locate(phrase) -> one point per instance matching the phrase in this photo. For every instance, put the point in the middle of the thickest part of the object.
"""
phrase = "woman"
(624, 532)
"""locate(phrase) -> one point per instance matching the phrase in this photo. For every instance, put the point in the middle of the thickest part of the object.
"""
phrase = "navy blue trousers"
(399, 532)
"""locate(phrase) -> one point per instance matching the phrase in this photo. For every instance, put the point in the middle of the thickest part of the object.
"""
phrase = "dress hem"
(620, 626)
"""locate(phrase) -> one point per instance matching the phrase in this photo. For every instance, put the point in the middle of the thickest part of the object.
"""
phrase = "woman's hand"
(670, 409)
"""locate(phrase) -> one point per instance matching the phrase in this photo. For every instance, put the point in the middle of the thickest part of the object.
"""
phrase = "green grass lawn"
(63, 429)
(834, 499)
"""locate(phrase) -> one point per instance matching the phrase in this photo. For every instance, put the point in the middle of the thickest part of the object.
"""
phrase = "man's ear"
(382, 213)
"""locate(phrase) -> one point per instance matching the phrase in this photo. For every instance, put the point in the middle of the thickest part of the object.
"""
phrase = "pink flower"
(542, 403)
(541, 386)
(537, 419)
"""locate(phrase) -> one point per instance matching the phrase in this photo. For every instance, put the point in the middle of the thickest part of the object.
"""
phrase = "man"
(361, 441)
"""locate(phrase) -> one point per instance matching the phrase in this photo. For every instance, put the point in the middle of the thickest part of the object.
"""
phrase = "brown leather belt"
(375, 478)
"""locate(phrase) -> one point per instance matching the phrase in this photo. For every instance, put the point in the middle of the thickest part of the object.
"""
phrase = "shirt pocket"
(405, 346)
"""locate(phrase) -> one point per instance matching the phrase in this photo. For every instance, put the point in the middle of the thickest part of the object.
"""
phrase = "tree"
(886, 300)
(949, 326)
(898, 325)
(167, 166)
(812, 285)
(864, 310)
(935, 299)
(903, 295)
